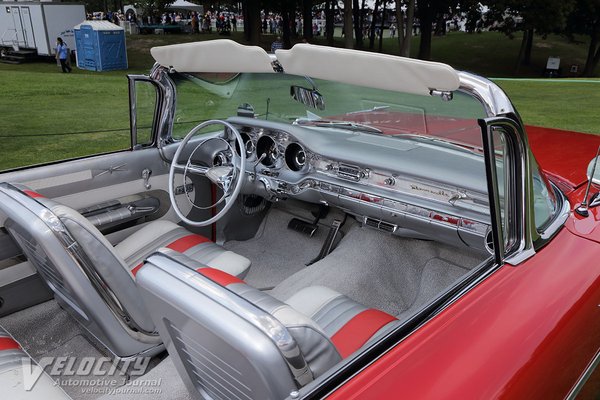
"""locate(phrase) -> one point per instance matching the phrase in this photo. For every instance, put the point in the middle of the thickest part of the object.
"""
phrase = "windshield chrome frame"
(497, 104)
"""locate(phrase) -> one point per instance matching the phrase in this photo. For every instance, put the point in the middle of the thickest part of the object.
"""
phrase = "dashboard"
(413, 188)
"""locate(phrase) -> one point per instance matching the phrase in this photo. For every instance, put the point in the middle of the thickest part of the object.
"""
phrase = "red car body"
(526, 332)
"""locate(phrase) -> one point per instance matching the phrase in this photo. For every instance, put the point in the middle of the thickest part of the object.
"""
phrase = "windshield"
(333, 105)
(271, 97)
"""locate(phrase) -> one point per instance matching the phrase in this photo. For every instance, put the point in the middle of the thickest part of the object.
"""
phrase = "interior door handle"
(146, 177)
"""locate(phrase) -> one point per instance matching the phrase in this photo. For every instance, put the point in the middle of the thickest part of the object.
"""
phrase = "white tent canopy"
(185, 5)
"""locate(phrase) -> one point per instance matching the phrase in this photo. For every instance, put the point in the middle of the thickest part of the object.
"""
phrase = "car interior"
(306, 264)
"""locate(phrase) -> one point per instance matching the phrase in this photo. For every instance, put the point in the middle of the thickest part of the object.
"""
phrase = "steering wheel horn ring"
(227, 177)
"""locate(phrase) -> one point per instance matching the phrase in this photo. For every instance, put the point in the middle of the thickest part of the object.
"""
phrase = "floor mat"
(383, 271)
(277, 252)
(41, 328)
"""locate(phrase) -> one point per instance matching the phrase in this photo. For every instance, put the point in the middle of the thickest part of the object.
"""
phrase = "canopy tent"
(185, 5)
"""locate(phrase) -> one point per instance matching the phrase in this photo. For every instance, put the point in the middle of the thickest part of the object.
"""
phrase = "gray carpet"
(277, 252)
(383, 271)
(41, 328)
(45, 331)
(161, 383)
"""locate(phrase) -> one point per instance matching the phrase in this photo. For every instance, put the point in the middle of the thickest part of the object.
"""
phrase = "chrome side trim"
(559, 220)
(133, 107)
(493, 99)
(265, 322)
(584, 377)
(164, 128)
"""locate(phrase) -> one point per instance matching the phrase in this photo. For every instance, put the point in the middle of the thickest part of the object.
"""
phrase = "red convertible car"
(313, 223)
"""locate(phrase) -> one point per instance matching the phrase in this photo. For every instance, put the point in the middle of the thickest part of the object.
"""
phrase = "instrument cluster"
(274, 150)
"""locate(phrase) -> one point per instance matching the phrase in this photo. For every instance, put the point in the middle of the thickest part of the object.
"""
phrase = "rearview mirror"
(309, 97)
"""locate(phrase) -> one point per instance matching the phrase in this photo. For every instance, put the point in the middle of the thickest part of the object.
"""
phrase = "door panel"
(106, 183)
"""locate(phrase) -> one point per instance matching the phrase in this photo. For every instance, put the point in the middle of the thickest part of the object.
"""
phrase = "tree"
(405, 29)
(585, 20)
(252, 25)
(329, 21)
(529, 16)
(153, 8)
(373, 25)
(307, 29)
(428, 12)
(348, 41)
(358, 14)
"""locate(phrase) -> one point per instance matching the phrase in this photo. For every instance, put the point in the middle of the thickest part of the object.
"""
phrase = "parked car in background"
(318, 222)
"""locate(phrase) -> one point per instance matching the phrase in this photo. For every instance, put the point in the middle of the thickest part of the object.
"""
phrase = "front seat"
(94, 280)
(230, 340)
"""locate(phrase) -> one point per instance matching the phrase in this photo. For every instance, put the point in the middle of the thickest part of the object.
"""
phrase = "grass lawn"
(39, 104)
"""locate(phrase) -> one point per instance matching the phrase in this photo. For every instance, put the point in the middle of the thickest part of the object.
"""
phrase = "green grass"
(39, 104)
(562, 104)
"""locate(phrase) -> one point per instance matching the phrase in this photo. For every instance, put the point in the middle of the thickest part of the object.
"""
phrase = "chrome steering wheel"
(227, 176)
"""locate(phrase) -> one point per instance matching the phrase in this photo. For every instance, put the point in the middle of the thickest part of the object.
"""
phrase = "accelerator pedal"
(333, 237)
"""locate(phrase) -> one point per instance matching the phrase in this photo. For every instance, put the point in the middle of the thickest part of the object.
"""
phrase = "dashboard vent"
(349, 172)
(380, 225)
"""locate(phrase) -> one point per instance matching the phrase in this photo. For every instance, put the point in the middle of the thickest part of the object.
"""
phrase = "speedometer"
(266, 146)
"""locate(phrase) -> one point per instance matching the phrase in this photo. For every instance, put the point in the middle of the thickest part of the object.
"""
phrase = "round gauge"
(249, 146)
(220, 159)
(267, 146)
(295, 157)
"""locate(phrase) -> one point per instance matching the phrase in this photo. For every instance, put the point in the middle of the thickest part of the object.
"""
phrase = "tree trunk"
(593, 56)
(426, 19)
(381, 28)
(307, 29)
(285, 21)
(357, 14)
(407, 39)
(329, 27)
(528, 47)
(348, 42)
(373, 25)
(521, 55)
(252, 19)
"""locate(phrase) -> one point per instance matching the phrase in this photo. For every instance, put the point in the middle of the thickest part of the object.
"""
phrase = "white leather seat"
(93, 279)
(159, 234)
(228, 337)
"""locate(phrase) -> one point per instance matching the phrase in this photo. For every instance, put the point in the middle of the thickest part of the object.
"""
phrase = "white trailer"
(29, 25)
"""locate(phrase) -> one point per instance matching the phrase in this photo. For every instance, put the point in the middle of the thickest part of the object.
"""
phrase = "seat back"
(82, 269)
(227, 339)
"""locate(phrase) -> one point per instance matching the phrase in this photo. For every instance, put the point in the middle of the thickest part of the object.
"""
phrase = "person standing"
(276, 45)
(62, 55)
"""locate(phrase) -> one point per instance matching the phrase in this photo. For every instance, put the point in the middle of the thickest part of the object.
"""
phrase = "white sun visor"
(380, 71)
(222, 55)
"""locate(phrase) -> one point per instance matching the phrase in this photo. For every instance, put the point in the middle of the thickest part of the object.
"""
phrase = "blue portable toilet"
(100, 46)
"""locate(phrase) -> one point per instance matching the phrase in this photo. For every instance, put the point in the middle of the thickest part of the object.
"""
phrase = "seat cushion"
(158, 234)
(348, 324)
(13, 365)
